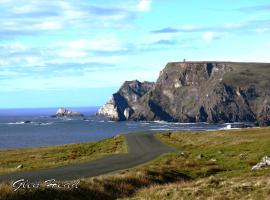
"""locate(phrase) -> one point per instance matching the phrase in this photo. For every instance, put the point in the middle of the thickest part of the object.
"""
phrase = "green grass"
(207, 165)
(217, 164)
(49, 157)
(234, 151)
(249, 74)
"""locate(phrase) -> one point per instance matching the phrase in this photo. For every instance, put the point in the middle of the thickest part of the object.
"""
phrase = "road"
(142, 147)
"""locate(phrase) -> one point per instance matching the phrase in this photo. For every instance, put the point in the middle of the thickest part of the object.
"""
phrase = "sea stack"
(214, 92)
(63, 112)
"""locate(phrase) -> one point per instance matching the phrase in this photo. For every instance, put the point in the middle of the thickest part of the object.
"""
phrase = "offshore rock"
(63, 112)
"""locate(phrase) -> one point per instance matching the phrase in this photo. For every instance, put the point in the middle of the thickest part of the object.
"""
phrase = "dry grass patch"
(255, 188)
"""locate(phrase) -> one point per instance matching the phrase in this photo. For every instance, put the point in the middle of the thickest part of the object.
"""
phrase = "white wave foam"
(30, 123)
(43, 124)
(163, 129)
(145, 123)
(161, 122)
(228, 127)
(15, 123)
(174, 123)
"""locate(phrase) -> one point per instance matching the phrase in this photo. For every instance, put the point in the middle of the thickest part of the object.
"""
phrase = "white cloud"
(100, 50)
(256, 55)
(100, 43)
(5, 1)
(234, 25)
(72, 54)
(152, 38)
(49, 25)
(55, 64)
(262, 30)
(8, 73)
(101, 59)
(33, 61)
(28, 62)
(19, 54)
(113, 78)
(29, 17)
(144, 5)
(208, 36)
(15, 47)
(24, 9)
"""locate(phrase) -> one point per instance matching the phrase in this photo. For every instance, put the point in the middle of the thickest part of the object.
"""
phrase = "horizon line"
(55, 107)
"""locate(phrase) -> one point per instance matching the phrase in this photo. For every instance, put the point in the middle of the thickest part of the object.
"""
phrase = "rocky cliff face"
(198, 92)
(122, 105)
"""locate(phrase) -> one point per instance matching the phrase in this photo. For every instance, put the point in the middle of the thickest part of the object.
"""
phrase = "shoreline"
(47, 133)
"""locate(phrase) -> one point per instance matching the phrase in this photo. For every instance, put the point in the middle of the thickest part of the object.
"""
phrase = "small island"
(63, 112)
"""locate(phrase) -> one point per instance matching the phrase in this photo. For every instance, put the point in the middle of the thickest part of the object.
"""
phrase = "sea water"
(36, 128)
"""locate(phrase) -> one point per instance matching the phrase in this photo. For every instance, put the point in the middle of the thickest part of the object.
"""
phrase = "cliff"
(198, 92)
(122, 104)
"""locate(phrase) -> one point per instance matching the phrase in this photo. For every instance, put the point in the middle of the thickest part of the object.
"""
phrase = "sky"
(77, 53)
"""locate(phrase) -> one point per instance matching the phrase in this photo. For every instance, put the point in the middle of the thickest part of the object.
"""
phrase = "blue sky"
(77, 53)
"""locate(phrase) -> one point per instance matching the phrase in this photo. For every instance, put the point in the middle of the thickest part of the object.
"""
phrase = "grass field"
(49, 157)
(249, 74)
(208, 165)
(217, 164)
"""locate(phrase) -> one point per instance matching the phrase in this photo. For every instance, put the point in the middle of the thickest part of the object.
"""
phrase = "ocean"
(21, 128)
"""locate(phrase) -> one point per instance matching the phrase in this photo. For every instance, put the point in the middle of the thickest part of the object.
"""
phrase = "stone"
(264, 163)
(200, 156)
(19, 167)
(182, 153)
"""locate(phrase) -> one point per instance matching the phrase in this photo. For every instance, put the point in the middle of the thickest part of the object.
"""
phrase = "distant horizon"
(67, 107)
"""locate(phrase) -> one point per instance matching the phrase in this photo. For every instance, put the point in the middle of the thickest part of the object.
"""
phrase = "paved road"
(142, 147)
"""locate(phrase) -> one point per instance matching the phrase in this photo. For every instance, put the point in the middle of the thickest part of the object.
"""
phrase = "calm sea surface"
(35, 127)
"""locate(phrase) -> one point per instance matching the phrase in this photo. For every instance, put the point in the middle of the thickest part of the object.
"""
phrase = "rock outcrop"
(265, 162)
(63, 112)
(212, 92)
(122, 104)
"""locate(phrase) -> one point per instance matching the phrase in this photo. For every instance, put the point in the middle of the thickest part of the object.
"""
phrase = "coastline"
(41, 130)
